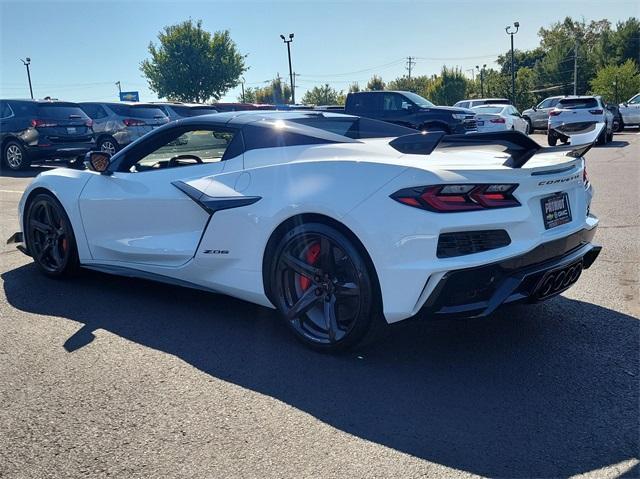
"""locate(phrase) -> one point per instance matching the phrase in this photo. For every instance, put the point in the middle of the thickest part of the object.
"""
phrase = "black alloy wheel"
(50, 237)
(321, 285)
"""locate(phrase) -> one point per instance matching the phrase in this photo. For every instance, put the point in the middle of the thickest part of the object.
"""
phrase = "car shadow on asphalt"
(549, 390)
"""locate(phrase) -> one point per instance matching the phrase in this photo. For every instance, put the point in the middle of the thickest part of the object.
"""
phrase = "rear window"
(488, 109)
(193, 111)
(142, 111)
(60, 111)
(577, 103)
(355, 128)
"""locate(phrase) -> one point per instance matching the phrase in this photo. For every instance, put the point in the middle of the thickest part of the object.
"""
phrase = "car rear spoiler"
(518, 146)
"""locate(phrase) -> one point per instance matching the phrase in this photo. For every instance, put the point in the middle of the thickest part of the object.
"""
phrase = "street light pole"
(513, 71)
(288, 42)
(26, 62)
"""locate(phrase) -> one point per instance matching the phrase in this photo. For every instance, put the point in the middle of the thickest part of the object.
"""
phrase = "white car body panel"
(499, 121)
(137, 223)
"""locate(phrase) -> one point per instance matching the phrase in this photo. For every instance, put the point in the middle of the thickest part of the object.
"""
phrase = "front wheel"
(50, 238)
(529, 128)
(552, 139)
(323, 288)
(108, 145)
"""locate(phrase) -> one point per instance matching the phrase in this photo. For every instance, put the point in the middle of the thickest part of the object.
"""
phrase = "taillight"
(89, 123)
(497, 120)
(595, 112)
(554, 113)
(42, 123)
(453, 198)
(133, 122)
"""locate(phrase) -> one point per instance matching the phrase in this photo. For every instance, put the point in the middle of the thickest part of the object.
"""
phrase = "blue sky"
(79, 49)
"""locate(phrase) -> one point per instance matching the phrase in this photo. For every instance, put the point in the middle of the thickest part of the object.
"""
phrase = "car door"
(541, 115)
(396, 108)
(630, 111)
(519, 123)
(140, 213)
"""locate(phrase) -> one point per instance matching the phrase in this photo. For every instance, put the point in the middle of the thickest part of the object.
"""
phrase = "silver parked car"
(178, 110)
(118, 124)
(538, 116)
(482, 101)
(630, 111)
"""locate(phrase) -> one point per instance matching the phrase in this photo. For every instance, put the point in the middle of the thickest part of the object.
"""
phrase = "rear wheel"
(108, 145)
(552, 139)
(50, 238)
(602, 138)
(530, 128)
(14, 156)
(322, 286)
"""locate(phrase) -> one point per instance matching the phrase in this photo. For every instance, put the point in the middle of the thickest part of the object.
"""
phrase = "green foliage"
(249, 96)
(323, 95)
(276, 93)
(417, 84)
(190, 64)
(448, 87)
(617, 82)
(375, 83)
(354, 87)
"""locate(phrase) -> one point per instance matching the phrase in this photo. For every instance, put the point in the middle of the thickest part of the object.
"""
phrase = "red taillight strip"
(477, 198)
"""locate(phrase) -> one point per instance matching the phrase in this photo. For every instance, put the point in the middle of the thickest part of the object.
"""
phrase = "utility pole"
(481, 79)
(575, 67)
(119, 88)
(513, 62)
(26, 62)
(288, 42)
(410, 64)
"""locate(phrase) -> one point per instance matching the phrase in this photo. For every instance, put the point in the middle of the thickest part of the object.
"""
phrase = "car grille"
(470, 123)
(469, 242)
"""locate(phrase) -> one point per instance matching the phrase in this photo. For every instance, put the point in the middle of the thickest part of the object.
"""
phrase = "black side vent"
(469, 242)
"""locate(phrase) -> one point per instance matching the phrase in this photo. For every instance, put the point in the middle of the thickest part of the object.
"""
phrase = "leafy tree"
(190, 64)
(447, 88)
(276, 93)
(249, 96)
(625, 41)
(375, 83)
(354, 87)
(323, 95)
(617, 82)
(417, 84)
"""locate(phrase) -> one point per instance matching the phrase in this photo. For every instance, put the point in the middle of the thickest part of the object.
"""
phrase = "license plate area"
(556, 210)
(480, 122)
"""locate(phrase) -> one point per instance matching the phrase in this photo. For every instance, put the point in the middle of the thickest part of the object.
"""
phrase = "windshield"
(488, 109)
(577, 103)
(418, 100)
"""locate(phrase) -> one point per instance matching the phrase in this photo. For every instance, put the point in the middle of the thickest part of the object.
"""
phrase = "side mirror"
(534, 108)
(98, 161)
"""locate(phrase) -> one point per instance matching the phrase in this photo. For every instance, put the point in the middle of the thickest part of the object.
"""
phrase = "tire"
(108, 145)
(530, 128)
(323, 288)
(602, 139)
(434, 128)
(50, 237)
(610, 136)
(15, 157)
(552, 139)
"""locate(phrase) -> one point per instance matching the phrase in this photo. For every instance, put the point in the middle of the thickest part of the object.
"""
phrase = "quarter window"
(5, 110)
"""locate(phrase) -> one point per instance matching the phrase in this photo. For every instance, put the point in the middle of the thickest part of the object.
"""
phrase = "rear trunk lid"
(62, 123)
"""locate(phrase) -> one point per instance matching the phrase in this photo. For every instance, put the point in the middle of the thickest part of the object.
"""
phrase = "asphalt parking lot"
(106, 376)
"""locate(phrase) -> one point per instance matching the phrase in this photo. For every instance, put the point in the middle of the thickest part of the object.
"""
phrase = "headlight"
(459, 116)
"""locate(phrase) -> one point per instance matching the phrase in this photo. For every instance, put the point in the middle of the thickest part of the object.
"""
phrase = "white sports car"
(336, 221)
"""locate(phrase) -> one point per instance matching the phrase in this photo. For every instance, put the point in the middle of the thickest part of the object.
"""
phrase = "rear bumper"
(542, 273)
(63, 150)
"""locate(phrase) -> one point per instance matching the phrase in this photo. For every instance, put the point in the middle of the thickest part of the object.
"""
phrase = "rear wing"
(518, 146)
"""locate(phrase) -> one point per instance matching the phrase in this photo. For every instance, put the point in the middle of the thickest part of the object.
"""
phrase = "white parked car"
(482, 101)
(578, 115)
(630, 111)
(335, 220)
(500, 118)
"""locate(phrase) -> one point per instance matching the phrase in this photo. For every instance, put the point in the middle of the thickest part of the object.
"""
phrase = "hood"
(449, 109)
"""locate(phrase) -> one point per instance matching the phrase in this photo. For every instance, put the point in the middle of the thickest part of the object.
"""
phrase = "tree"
(323, 95)
(417, 84)
(277, 93)
(447, 88)
(354, 87)
(617, 82)
(249, 96)
(190, 64)
(375, 83)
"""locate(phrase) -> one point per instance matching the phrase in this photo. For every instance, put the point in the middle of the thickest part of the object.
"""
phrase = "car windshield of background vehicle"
(418, 100)
(488, 109)
(355, 128)
(578, 103)
(207, 145)
(61, 111)
(138, 111)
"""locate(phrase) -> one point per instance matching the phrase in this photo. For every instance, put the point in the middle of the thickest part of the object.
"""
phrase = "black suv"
(33, 131)
(411, 110)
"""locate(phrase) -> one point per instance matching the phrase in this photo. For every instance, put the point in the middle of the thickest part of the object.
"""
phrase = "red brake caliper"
(311, 256)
